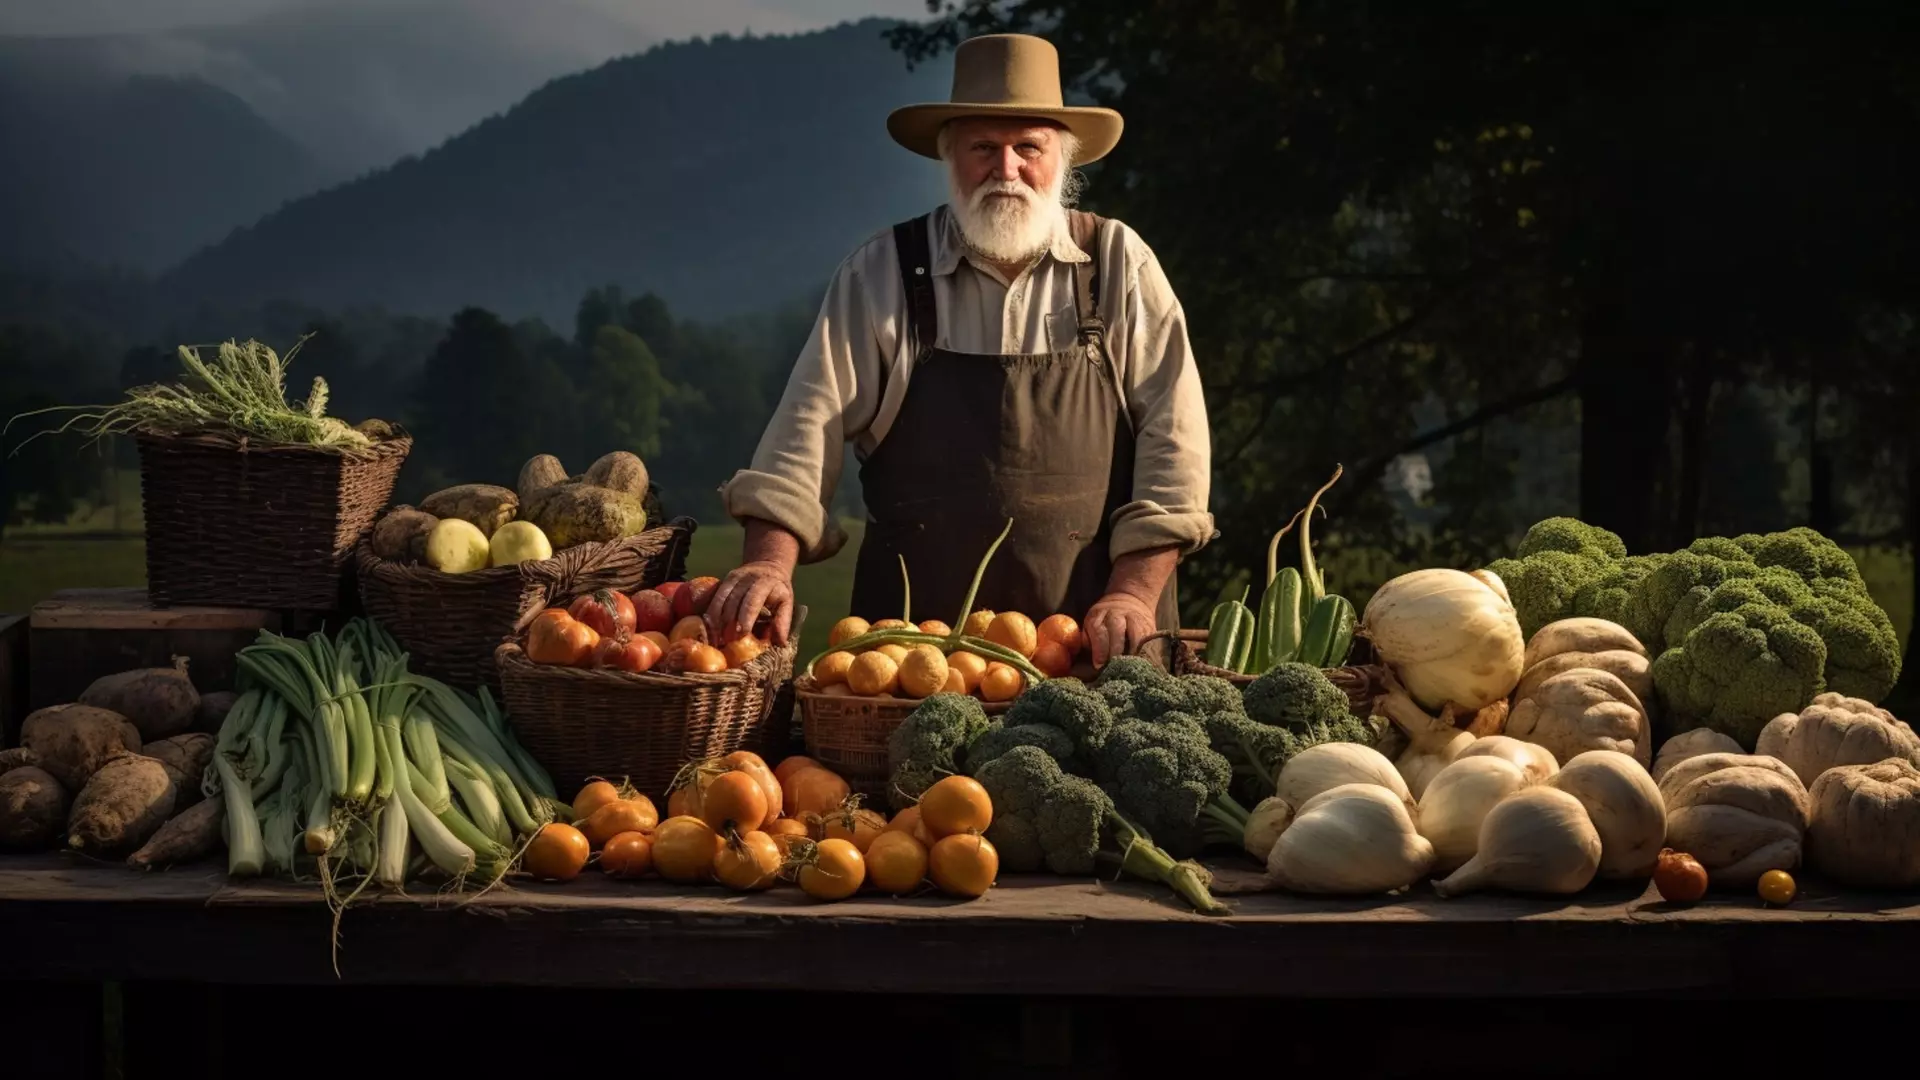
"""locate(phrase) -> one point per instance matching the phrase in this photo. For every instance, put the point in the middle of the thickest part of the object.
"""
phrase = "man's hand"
(1117, 624)
(763, 580)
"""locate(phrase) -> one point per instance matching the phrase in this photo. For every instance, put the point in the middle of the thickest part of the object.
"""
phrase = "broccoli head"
(1605, 597)
(1293, 693)
(998, 738)
(1739, 669)
(1138, 670)
(1544, 585)
(1118, 694)
(1863, 651)
(1770, 585)
(1070, 705)
(1650, 604)
(927, 744)
(1571, 536)
(1165, 776)
(1805, 552)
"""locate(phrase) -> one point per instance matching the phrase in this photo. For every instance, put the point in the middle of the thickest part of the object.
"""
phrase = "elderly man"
(1000, 358)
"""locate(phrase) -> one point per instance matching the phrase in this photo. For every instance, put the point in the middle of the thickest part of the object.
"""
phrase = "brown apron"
(1043, 438)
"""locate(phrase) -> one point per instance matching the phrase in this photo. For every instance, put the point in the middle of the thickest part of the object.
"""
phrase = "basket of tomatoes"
(875, 674)
(630, 684)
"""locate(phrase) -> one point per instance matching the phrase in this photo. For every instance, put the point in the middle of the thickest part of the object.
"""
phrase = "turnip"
(159, 701)
(123, 805)
(33, 809)
(72, 741)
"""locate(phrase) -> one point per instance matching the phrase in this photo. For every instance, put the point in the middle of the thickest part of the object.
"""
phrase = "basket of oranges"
(597, 686)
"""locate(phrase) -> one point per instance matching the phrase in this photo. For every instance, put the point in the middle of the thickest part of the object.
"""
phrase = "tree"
(624, 393)
(484, 405)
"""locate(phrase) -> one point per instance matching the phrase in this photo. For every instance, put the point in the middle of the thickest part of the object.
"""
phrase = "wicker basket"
(1360, 679)
(452, 624)
(849, 734)
(580, 722)
(240, 524)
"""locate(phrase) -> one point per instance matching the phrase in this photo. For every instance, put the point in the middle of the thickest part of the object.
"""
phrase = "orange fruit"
(956, 682)
(691, 628)
(893, 624)
(873, 674)
(936, 628)
(971, 666)
(924, 672)
(847, 629)
(705, 659)
(1001, 683)
(1052, 659)
(898, 653)
(1063, 629)
(659, 639)
(831, 669)
(838, 689)
(977, 623)
(741, 651)
(1015, 631)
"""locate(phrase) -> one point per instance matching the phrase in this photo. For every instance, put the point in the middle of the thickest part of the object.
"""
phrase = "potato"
(33, 810)
(18, 758)
(577, 513)
(187, 836)
(401, 536)
(619, 471)
(123, 804)
(213, 712)
(485, 506)
(159, 701)
(457, 546)
(188, 755)
(538, 474)
(1583, 634)
(72, 741)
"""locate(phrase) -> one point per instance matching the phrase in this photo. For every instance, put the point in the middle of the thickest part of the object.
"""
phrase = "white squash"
(1452, 639)
(1625, 807)
(1836, 730)
(1865, 825)
(1740, 815)
(1536, 762)
(1580, 710)
(1688, 744)
(1581, 635)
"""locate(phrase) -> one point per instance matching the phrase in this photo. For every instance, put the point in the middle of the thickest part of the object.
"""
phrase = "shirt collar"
(949, 247)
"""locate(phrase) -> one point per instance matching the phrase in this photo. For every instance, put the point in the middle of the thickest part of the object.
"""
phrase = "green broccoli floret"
(1137, 670)
(1739, 669)
(1651, 603)
(1070, 705)
(1605, 597)
(1720, 547)
(1118, 694)
(1770, 585)
(927, 744)
(1292, 693)
(1571, 536)
(1805, 552)
(1210, 693)
(999, 738)
(1863, 651)
(1165, 776)
(1043, 817)
(1543, 585)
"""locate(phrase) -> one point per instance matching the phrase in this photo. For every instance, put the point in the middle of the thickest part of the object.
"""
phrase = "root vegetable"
(619, 471)
(1450, 637)
(1629, 667)
(1581, 635)
(1864, 829)
(485, 506)
(1459, 800)
(1691, 744)
(457, 546)
(543, 471)
(1625, 807)
(213, 711)
(1536, 762)
(1354, 839)
(191, 834)
(72, 741)
(1319, 768)
(1836, 730)
(1739, 814)
(1583, 709)
(123, 804)
(18, 758)
(33, 809)
(160, 701)
(188, 755)
(401, 535)
(576, 513)
(1537, 840)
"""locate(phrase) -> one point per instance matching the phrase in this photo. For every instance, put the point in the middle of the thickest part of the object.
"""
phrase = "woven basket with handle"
(236, 523)
(849, 734)
(451, 625)
(1180, 651)
(582, 722)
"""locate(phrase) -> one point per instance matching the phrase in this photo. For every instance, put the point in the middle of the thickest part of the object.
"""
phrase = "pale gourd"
(457, 546)
(1740, 815)
(1580, 635)
(1536, 840)
(1864, 829)
(1451, 638)
(1355, 839)
(1691, 744)
(1458, 800)
(1580, 710)
(1536, 762)
(1631, 668)
(1836, 730)
(1306, 774)
(1625, 807)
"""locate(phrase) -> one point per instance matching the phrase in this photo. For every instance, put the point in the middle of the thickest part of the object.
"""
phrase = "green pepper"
(1279, 629)
(1344, 621)
(1324, 642)
(1230, 635)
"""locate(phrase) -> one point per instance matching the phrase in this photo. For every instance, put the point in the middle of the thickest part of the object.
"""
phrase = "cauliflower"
(1739, 669)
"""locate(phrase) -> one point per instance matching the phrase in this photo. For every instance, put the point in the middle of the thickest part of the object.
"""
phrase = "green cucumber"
(1344, 621)
(1317, 639)
(1229, 635)
(1280, 622)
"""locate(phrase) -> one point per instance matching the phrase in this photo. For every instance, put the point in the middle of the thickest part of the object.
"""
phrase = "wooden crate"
(13, 677)
(82, 634)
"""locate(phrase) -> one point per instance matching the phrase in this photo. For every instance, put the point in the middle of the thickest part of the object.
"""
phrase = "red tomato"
(633, 654)
(608, 611)
(653, 611)
(696, 597)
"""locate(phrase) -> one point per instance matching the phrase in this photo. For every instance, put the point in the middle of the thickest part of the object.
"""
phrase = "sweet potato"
(18, 758)
(72, 741)
(188, 755)
(159, 701)
(33, 809)
(213, 712)
(619, 471)
(486, 506)
(123, 805)
(189, 835)
(538, 474)
(401, 536)
(578, 513)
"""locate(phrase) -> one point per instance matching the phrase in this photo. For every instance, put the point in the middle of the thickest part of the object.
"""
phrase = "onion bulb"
(1450, 637)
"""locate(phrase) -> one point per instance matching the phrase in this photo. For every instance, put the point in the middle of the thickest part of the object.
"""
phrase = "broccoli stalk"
(1139, 857)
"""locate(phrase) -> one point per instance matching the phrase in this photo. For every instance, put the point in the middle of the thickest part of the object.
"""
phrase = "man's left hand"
(1116, 625)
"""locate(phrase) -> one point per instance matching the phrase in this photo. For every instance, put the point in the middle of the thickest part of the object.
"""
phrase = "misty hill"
(139, 171)
(730, 174)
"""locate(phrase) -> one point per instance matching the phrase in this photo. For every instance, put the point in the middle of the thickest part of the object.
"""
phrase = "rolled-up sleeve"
(1173, 461)
(831, 397)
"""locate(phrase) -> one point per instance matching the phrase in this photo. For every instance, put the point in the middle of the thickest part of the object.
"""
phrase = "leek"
(245, 849)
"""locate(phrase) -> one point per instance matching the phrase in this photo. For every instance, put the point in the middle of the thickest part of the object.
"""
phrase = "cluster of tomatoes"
(659, 629)
(920, 671)
(735, 822)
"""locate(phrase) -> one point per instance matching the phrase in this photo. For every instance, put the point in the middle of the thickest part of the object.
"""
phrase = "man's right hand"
(738, 601)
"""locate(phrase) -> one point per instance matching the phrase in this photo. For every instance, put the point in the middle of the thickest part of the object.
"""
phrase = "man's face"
(1006, 179)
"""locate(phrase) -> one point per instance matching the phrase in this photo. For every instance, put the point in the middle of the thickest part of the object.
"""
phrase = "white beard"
(1007, 230)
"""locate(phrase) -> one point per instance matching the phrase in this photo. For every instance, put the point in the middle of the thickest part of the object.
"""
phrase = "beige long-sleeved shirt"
(836, 394)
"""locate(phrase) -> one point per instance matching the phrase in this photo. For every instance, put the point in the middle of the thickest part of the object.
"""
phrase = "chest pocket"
(1063, 326)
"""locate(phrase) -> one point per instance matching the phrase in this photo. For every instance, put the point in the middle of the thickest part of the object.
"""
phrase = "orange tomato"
(1053, 660)
(791, 764)
(557, 852)
(963, 865)
(1001, 683)
(956, 682)
(628, 855)
(971, 666)
(908, 821)
(936, 628)
(895, 653)
(812, 790)
(977, 623)
(873, 674)
(1015, 631)
(831, 669)
(630, 654)
(608, 611)
(748, 861)
(836, 690)
(846, 630)
(785, 831)
(733, 801)
(659, 640)
(896, 862)
(706, 659)
(832, 870)
(691, 628)
(892, 624)
(857, 826)
(755, 766)
(555, 637)
(621, 815)
(596, 794)
(1062, 629)
(741, 651)
(924, 672)
(684, 849)
(956, 804)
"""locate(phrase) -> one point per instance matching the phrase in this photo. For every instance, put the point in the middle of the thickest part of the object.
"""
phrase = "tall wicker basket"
(451, 625)
(243, 524)
(580, 722)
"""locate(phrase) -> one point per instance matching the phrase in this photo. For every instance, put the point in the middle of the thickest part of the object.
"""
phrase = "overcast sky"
(670, 18)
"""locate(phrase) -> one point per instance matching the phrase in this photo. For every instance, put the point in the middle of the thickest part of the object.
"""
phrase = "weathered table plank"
(65, 919)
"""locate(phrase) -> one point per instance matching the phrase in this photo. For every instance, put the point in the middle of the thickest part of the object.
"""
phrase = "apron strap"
(1085, 228)
(915, 251)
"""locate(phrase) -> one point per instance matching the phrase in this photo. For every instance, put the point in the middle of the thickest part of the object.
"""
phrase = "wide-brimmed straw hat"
(1007, 75)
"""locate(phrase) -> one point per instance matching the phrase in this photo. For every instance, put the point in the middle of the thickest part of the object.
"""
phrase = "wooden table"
(64, 919)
